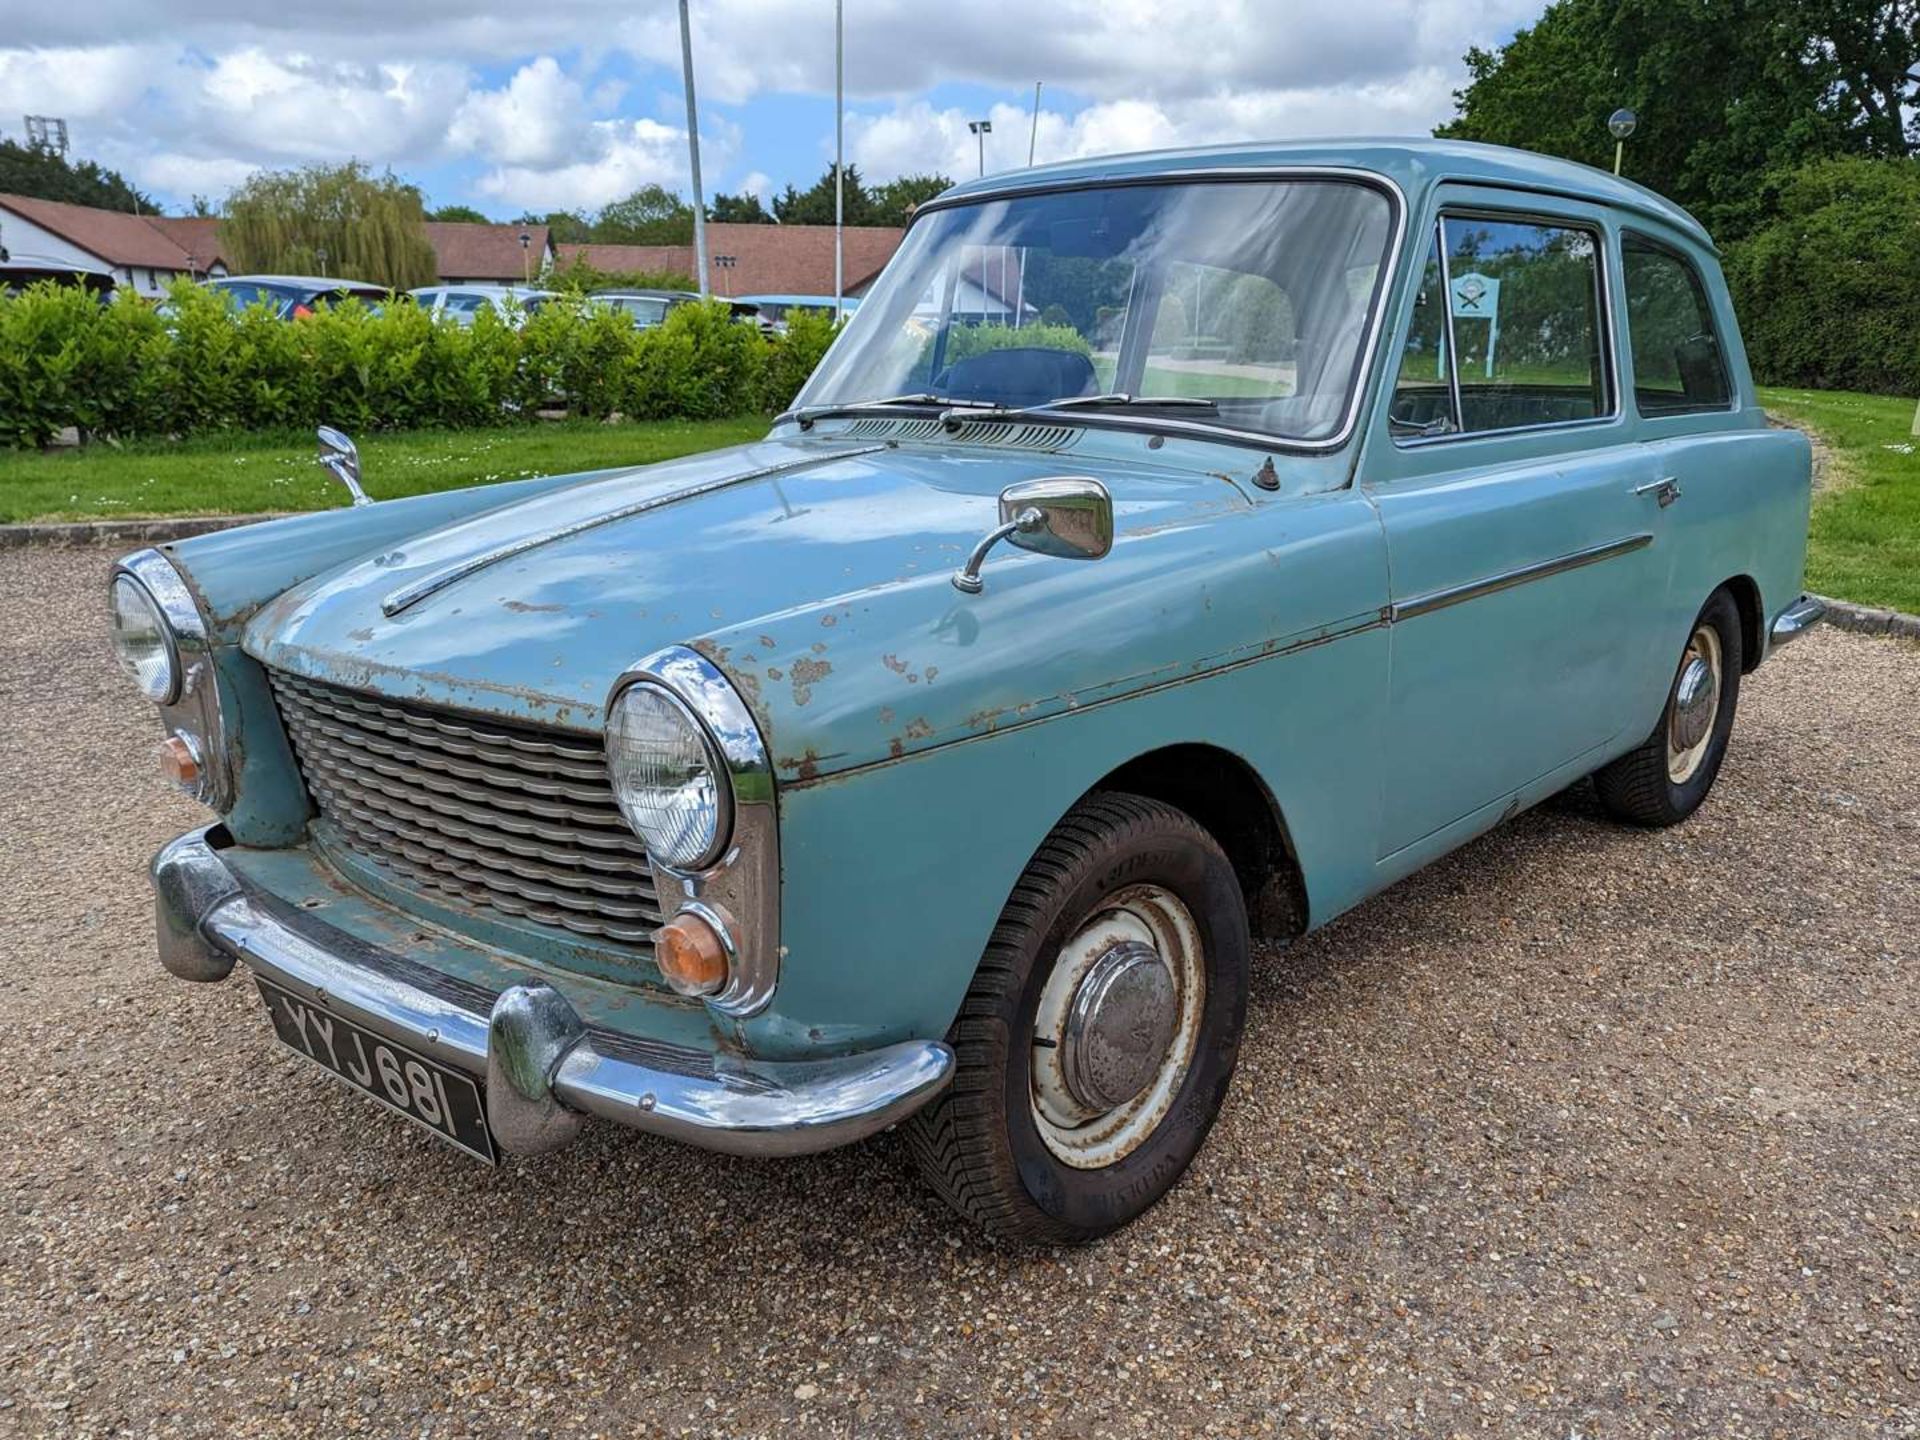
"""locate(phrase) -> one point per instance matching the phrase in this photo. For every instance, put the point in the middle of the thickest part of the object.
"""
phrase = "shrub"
(1828, 293)
(796, 357)
(125, 369)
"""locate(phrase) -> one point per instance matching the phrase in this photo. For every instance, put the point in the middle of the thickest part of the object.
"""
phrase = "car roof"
(796, 299)
(631, 293)
(1415, 165)
(312, 282)
(478, 287)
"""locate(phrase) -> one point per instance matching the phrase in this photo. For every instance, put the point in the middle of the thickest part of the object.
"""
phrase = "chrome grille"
(511, 817)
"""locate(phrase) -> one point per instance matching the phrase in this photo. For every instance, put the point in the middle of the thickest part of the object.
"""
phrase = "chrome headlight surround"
(192, 707)
(738, 881)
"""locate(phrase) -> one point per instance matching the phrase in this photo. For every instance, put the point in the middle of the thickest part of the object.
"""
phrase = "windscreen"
(1252, 297)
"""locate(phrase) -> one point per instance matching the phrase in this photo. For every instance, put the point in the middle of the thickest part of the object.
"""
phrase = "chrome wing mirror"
(1069, 516)
(340, 455)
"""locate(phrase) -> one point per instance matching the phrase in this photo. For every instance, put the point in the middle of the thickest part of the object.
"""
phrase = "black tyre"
(1097, 1040)
(1664, 780)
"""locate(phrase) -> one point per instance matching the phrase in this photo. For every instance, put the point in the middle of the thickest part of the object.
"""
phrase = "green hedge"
(125, 370)
(1828, 293)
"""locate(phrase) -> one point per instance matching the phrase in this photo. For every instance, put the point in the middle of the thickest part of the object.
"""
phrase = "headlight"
(162, 639)
(145, 641)
(670, 783)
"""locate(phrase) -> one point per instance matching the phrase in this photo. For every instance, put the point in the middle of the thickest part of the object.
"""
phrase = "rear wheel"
(1096, 1043)
(1665, 779)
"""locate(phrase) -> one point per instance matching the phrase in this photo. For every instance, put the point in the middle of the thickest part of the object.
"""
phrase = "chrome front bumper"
(1796, 620)
(545, 1069)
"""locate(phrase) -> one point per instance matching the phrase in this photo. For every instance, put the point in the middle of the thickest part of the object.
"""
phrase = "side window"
(1422, 398)
(1525, 323)
(1506, 330)
(1678, 365)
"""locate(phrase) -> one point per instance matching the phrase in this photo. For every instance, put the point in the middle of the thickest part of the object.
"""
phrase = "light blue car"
(1173, 550)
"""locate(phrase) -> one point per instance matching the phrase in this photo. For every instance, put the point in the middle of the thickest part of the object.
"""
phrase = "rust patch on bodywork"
(894, 663)
(522, 607)
(919, 729)
(806, 767)
(807, 674)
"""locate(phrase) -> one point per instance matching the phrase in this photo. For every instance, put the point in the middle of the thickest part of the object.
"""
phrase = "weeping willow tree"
(329, 219)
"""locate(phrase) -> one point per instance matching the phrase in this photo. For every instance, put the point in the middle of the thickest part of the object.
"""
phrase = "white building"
(144, 253)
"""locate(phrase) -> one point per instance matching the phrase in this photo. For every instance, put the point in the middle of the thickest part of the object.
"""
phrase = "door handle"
(1666, 490)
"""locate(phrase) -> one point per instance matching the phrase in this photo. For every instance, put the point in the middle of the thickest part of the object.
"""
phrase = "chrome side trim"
(412, 594)
(1473, 589)
(549, 1068)
(194, 710)
(744, 883)
(1369, 355)
(1796, 620)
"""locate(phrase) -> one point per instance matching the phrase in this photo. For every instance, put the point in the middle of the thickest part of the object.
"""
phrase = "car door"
(1522, 519)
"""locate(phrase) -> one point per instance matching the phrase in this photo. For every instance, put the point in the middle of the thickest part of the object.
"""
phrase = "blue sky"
(576, 102)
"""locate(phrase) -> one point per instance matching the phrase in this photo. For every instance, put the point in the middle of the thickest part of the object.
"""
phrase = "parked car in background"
(17, 275)
(291, 296)
(459, 304)
(1254, 526)
(775, 309)
(649, 307)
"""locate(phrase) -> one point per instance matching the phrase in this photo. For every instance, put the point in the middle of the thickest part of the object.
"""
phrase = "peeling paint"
(894, 663)
(521, 607)
(919, 728)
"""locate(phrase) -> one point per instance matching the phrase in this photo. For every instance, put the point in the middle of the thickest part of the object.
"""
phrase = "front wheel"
(1095, 1045)
(1665, 779)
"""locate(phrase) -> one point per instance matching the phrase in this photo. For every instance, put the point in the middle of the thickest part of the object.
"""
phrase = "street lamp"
(526, 257)
(981, 129)
(320, 254)
(1620, 124)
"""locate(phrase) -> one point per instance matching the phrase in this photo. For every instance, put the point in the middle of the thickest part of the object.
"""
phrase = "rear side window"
(1507, 330)
(1678, 364)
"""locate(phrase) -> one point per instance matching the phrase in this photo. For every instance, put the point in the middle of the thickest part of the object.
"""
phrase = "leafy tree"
(651, 215)
(44, 174)
(1727, 93)
(895, 201)
(1829, 291)
(741, 209)
(566, 227)
(814, 205)
(465, 214)
(368, 226)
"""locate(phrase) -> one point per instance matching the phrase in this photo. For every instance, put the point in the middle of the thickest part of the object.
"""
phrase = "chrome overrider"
(1797, 619)
(543, 1074)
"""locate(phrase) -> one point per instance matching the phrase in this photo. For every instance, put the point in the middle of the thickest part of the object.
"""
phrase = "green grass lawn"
(1865, 545)
(249, 473)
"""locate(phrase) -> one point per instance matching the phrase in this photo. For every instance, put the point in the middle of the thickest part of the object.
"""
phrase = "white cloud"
(629, 154)
(539, 119)
(589, 104)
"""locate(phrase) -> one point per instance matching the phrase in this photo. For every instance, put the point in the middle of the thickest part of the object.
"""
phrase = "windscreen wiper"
(1115, 401)
(807, 414)
(1119, 398)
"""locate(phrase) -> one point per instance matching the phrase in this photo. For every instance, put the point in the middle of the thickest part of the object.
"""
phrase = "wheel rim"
(1694, 705)
(1117, 1026)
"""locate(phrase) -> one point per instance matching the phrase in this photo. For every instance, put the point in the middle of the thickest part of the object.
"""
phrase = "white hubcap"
(1695, 705)
(1117, 1025)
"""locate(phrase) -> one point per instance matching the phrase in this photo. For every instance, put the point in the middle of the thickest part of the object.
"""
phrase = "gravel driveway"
(1580, 1131)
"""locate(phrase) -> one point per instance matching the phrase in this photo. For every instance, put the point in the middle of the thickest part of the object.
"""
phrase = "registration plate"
(444, 1101)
